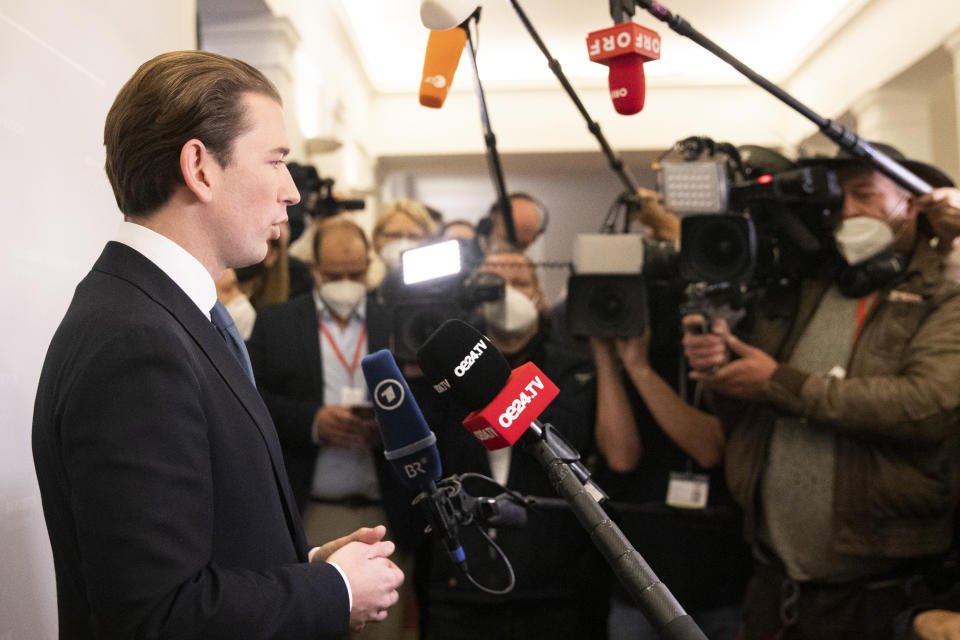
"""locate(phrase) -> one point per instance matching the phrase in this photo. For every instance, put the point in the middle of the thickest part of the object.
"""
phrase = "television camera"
(437, 282)
(750, 219)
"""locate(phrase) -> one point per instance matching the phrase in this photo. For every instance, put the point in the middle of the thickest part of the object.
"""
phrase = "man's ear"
(195, 166)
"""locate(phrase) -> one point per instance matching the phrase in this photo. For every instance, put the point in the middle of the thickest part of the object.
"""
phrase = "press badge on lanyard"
(349, 396)
(688, 490)
(353, 396)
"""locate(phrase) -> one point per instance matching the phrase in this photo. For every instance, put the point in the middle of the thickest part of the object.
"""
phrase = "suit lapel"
(308, 335)
(125, 263)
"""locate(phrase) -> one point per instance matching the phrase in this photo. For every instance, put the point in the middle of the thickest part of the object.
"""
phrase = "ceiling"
(771, 36)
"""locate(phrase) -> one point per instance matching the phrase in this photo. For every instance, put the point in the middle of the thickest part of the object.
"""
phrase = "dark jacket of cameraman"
(895, 414)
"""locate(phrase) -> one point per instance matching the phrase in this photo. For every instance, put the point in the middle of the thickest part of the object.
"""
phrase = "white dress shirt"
(175, 261)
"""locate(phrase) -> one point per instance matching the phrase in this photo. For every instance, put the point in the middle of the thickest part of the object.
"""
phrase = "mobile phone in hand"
(362, 411)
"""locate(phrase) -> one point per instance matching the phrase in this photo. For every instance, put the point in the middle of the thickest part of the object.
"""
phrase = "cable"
(511, 577)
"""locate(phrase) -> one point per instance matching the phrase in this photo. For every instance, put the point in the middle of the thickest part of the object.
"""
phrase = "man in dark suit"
(306, 356)
(163, 487)
(294, 344)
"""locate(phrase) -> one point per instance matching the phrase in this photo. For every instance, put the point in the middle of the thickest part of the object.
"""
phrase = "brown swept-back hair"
(171, 99)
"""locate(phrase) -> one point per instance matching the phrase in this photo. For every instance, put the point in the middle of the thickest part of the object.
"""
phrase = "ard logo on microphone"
(388, 394)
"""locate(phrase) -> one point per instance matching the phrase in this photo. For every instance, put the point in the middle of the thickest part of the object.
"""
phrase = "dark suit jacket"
(286, 356)
(163, 486)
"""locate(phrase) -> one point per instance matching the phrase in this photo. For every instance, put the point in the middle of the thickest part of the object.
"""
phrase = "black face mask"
(866, 277)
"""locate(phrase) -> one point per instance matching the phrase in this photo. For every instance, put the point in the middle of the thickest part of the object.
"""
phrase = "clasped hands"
(364, 556)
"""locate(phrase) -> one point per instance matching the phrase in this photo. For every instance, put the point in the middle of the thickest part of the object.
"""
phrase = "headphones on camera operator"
(880, 269)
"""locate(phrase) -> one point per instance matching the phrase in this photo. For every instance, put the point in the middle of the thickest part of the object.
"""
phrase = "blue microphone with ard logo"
(410, 446)
(408, 443)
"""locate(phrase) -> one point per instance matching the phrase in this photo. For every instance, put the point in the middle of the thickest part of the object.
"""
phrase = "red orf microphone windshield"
(444, 49)
(624, 48)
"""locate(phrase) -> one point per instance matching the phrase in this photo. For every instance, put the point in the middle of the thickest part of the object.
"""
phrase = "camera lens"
(717, 248)
(607, 304)
(420, 325)
(725, 248)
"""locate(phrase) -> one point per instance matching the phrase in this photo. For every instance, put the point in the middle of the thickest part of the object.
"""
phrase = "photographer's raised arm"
(909, 401)
(616, 429)
(696, 432)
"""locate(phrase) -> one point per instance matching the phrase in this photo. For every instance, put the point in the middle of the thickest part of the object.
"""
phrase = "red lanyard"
(863, 305)
(351, 369)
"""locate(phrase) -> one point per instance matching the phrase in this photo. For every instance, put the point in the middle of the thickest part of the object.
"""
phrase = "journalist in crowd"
(841, 418)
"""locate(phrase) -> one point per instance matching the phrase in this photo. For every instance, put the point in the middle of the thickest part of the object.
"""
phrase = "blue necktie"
(228, 330)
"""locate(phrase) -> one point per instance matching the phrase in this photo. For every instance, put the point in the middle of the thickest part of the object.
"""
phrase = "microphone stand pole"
(844, 138)
(616, 163)
(657, 603)
(493, 157)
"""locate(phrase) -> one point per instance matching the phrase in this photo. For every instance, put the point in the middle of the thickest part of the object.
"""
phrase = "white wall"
(61, 64)
(332, 94)
(882, 40)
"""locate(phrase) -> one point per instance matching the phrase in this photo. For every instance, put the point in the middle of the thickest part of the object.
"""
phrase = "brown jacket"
(895, 414)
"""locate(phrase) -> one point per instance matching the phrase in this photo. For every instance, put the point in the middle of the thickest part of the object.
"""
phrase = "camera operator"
(841, 423)
(654, 444)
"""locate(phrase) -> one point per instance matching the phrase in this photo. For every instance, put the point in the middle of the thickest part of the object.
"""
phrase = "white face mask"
(342, 296)
(859, 239)
(391, 251)
(243, 314)
(515, 313)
